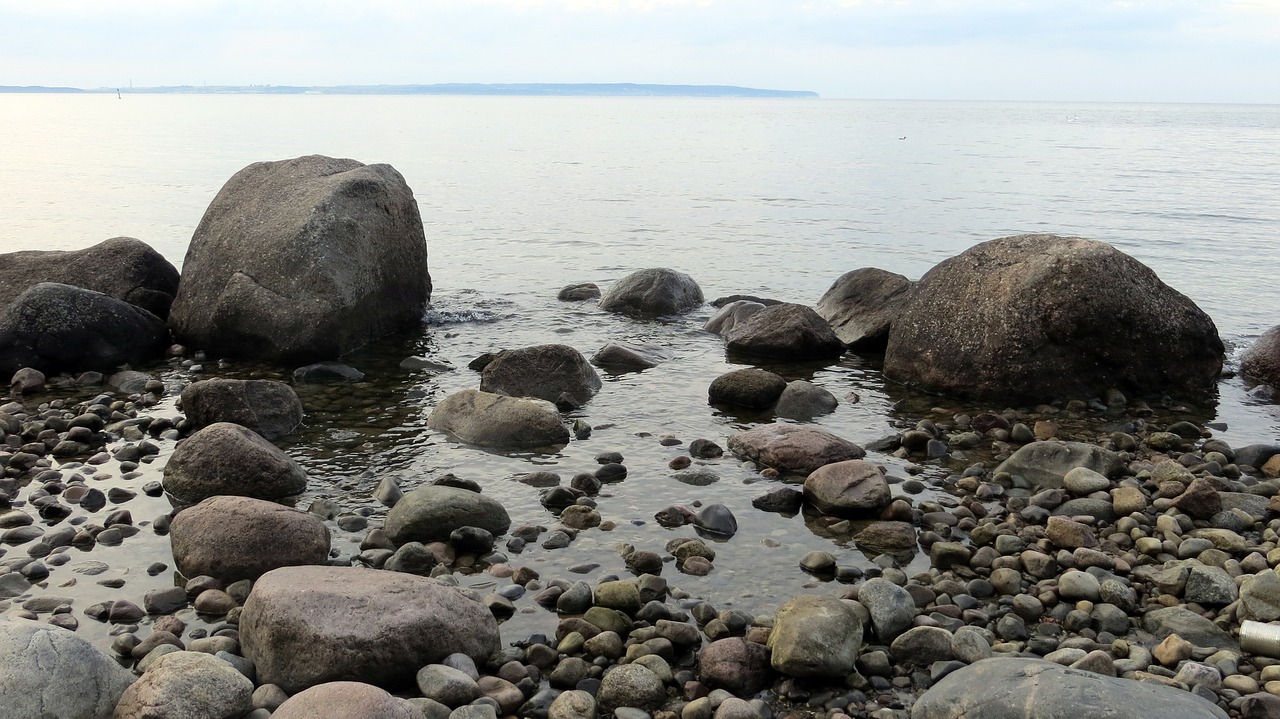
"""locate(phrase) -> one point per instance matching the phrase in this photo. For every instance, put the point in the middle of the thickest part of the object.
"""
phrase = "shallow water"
(521, 196)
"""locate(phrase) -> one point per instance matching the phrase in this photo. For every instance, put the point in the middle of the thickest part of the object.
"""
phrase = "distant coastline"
(621, 89)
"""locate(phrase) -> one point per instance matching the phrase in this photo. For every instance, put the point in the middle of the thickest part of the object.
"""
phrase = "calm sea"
(772, 197)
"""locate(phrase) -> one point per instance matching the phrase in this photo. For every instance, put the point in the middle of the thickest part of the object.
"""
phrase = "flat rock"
(493, 420)
(861, 305)
(620, 356)
(47, 671)
(1044, 464)
(792, 448)
(852, 488)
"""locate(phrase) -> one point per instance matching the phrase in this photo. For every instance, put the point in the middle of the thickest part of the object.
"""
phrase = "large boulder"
(304, 626)
(1046, 463)
(225, 458)
(121, 267)
(861, 306)
(785, 331)
(815, 637)
(270, 408)
(792, 448)
(1037, 317)
(345, 700)
(47, 671)
(303, 259)
(555, 373)
(852, 488)
(1018, 688)
(187, 685)
(495, 420)
(1262, 360)
(653, 292)
(431, 512)
(234, 538)
(59, 328)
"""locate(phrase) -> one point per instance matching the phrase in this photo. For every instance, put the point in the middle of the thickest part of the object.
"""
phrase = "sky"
(1067, 50)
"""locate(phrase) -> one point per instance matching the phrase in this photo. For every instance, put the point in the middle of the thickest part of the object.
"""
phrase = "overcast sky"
(1136, 50)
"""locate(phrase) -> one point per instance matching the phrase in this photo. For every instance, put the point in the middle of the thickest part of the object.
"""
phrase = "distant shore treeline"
(621, 89)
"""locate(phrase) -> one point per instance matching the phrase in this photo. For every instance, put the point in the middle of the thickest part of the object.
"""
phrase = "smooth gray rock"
(748, 387)
(891, 607)
(345, 700)
(631, 685)
(803, 400)
(852, 488)
(303, 259)
(1033, 318)
(432, 512)
(234, 538)
(447, 685)
(46, 671)
(187, 685)
(492, 420)
(815, 637)
(862, 304)
(121, 267)
(653, 292)
(59, 328)
(1188, 625)
(792, 448)
(302, 626)
(550, 372)
(621, 356)
(1261, 361)
(731, 315)
(785, 331)
(1017, 688)
(270, 408)
(227, 459)
(1044, 464)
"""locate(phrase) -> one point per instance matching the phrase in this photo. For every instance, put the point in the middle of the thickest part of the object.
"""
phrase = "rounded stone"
(227, 459)
(234, 538)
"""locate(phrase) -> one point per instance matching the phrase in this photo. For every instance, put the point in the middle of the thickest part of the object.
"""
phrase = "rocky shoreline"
(1095, 555)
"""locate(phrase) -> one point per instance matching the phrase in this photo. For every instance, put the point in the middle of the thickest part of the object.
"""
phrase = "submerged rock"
(803, 400)
(653, 292)
(303, 259)
(1036, 317)
(1262, 360)
(862, 304)
(270, 408)
(494, 420)
(750, 387)
(579, 292)
(628, 357)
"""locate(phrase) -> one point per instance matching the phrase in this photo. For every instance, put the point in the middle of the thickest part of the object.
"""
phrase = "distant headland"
(619, 89)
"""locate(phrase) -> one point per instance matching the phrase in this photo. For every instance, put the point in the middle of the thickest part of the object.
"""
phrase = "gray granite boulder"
(304, 626)
(345, 700)
(303, 259)
(1046, 463)
(815, 637)
(59, 328)
(493, 420)
(555, 373)
(653, 292)
(227, 459)
(1017, 688)
(631, 685)
(731, 315)
(803, 400)
(187, 685)
(234, 538)
(792, 448)
(861, 305)
(47, 671)
(852, 488)
(432, 512)
(270, 408)
(891, 607)
(1261, 361)
(1034, 318)
(1188, 625)
(785, 331)
(121, 267)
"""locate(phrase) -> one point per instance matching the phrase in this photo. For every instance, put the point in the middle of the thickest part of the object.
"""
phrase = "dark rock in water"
(1037, 317)
(1261, 361)
(304, 259)
(299, 629)
(782, 499)
(730, 299)
(326, 372)
(578, 292)
(41, 664)
(1046, 463)
(1002, 688)
(792, 448)
(785, 331)
(543, 371)
(853, 488)
(121, 267)
(628, 357)
(226, 458)
(493, 420)
(432, 512)
(411, 558)
(705, 449)
(479, 363)
(272, 409)
(559, 497)
(234, 538)
(803, 400)
(732, 315)
(59, 328)
(422, 364)
(1256, 455)
(750, 387)
(716, 519)
(653, 292)
(861, 306)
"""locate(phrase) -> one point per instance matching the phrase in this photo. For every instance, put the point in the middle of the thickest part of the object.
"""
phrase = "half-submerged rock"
(786, 331)
(653, 292)
(555, 373)
(792, 448)
(494, 420)
(121, 267)
(303, 259)
(1037, 317)
(1261, 361)
(270, 408)
(861, 305)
